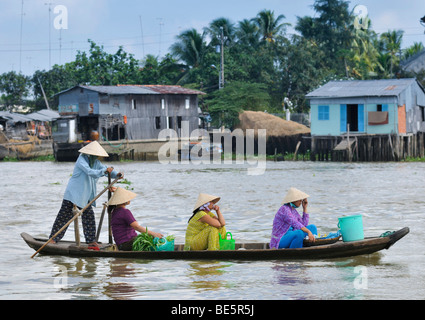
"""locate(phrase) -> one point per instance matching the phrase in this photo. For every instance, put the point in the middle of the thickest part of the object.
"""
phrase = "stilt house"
(133, 112)
(393, 106)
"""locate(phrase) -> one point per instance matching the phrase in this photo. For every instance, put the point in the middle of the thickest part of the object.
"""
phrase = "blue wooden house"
(368, 107)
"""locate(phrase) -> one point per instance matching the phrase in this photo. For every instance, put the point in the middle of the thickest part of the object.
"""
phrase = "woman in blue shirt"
(81, 189)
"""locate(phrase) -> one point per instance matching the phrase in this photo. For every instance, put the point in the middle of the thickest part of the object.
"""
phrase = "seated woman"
(123, 223)
(204, 227)
(289, 228)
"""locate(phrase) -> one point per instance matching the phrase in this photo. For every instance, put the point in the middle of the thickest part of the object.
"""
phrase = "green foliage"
(225, 104)
(15, 87)
(262, 65)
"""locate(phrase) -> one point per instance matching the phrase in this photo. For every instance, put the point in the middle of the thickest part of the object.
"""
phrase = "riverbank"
(278, 157)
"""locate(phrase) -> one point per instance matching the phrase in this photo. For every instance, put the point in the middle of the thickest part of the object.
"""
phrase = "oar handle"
(76, 216)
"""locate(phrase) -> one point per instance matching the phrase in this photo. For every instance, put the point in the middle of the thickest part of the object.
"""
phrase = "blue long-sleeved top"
(81, 187)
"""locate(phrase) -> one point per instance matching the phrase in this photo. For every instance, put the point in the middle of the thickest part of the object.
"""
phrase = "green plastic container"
(226, 244)
(351, 228)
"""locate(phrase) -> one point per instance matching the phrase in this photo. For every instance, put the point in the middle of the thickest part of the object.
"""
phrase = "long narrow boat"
(243, 251)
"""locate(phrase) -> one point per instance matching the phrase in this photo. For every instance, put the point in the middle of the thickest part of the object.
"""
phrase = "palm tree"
(412, 50)
(364, 53)
(247, 32)
(214, 31)
(392, 45)
(268, 25)
(189, 48)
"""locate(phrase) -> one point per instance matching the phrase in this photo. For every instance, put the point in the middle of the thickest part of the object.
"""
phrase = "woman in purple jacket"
(289, 228)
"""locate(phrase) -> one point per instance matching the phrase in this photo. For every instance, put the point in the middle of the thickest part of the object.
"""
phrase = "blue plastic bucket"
(351, 228)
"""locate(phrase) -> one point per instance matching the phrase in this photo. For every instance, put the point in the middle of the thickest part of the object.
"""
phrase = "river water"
(389, 196)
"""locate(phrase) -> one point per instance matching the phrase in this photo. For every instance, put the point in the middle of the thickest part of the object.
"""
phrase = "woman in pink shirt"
(289, 228)
(123, 223)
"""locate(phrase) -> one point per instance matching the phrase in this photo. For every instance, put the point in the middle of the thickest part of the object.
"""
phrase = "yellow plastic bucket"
(351, 228)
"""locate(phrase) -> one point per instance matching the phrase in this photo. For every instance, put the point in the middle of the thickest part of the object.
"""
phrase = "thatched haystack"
(275, 126)
(282, 136)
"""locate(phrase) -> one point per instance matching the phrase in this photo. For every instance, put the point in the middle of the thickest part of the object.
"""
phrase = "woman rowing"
(81, 189)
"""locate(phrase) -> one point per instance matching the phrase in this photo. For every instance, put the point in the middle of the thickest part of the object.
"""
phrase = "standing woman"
(204, 227)
(81, 189)
(289, 228)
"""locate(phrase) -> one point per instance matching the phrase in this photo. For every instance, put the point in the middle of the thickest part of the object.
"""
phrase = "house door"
(352, 114)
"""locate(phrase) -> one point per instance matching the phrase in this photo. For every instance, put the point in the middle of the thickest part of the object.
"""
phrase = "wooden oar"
(76, 216)
(109, 209)
(99, 228)
(105, 206)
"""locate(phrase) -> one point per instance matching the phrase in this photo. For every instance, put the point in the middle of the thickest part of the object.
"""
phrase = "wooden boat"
(243, 251)
(25, 150)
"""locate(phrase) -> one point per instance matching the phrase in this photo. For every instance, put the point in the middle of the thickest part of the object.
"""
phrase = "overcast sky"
(33, 41)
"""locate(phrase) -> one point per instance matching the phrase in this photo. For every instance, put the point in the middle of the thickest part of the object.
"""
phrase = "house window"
(157, 122)
(422, 110)
(187, 105)
(179, 122)
(162, 104)
(170, 123)
(323, 112)
(133, 104)
(381, 107)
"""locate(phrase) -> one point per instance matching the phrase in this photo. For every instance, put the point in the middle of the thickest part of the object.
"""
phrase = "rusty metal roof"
(167, 89)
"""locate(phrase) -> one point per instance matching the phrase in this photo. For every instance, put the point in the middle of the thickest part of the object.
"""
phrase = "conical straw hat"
(121, 196)
(203, 198)
(294, 195)
(94, 149)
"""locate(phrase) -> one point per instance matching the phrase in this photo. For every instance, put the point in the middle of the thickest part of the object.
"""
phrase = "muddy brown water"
(389, 196)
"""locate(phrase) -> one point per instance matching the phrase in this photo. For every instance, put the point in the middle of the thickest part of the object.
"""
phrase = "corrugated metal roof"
(127, 89)
(14, 117)
(420, 55)
(361, 88)
(137, 89)
(165, 89)
(38, 117)
(42, 115)
(52, 114)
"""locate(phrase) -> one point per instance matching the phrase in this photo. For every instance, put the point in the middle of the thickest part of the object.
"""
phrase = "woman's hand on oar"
(109, 170)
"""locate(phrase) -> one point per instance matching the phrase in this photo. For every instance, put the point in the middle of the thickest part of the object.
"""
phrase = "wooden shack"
(131, 111)
(111, 114)
(347, 116)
